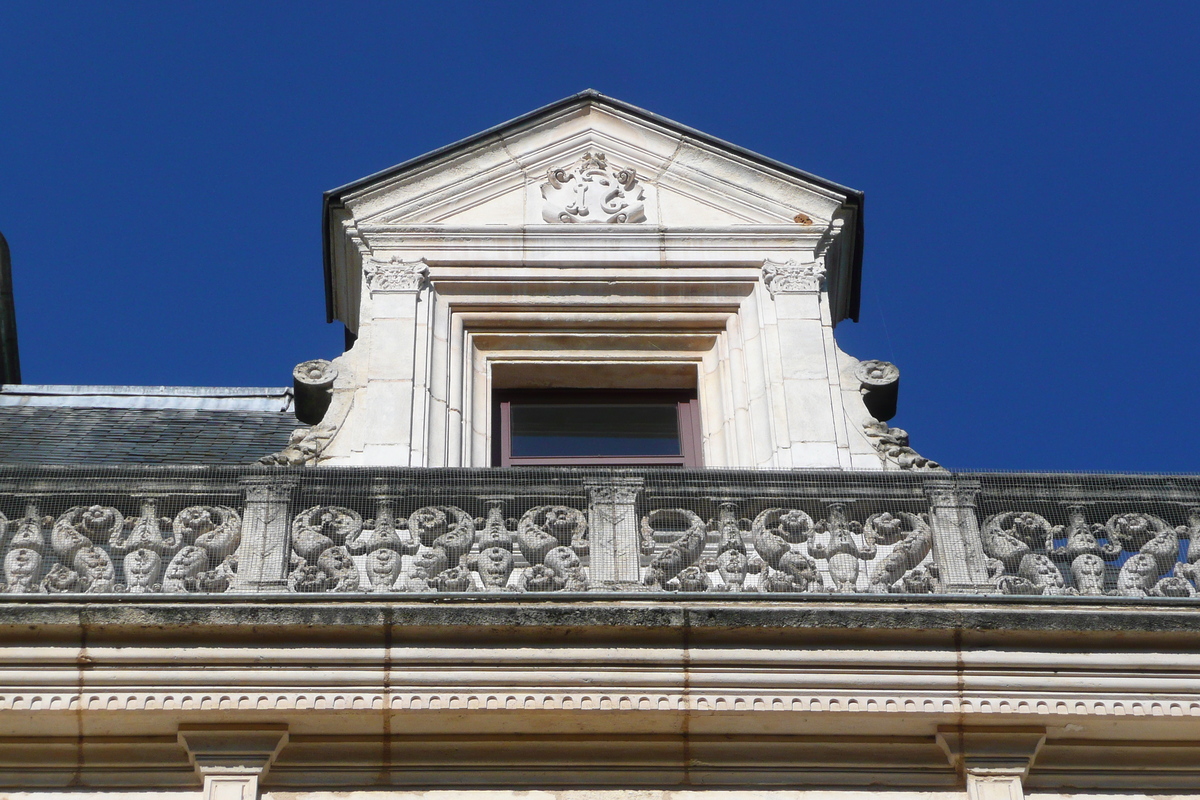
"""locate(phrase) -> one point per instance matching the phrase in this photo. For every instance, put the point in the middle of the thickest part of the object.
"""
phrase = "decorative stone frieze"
(590, 190)
(791, 277)
(395, 274)
(370, 535)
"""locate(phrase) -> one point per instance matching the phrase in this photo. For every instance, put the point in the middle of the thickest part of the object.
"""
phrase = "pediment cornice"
(592, 162)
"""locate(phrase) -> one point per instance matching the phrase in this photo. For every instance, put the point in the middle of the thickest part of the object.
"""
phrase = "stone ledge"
(949, 621)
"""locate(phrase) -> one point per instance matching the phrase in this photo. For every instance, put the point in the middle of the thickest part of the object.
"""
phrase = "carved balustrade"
(431, 532)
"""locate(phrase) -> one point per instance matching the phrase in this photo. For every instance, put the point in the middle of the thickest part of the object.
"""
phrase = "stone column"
(812, 404)
(393, 412)
(264, 555)
(957, 545)
(613, 541)
(232, 759)
(994, 761)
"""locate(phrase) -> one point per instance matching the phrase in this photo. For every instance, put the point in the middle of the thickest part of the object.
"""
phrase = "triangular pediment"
(614, 164)
(590, 163)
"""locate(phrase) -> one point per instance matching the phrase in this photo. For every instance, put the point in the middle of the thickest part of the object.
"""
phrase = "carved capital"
(791, 277)
(269, 489)
(395, 274)
(951, 494)
(617, 493)
(590, 190)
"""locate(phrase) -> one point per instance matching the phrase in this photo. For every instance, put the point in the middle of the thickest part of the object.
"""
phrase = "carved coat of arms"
(592, 191)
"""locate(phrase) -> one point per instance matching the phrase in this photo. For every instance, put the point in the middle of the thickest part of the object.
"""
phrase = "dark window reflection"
(585, 429)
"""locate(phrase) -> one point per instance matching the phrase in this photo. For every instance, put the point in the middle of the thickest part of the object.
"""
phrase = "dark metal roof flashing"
(333, 198)
(10, 362)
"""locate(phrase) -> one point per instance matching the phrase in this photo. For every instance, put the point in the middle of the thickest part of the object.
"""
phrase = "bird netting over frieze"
(502, 532)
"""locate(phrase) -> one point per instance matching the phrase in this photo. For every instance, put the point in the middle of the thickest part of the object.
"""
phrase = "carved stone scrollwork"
(303, 448)
(215, 529)
(208, 563)
(551, 539)
(84, 526)
(681, 552)
(776, 533)
(322, 562)
(592, 191)
(837, 540)
(543, 528)
(395, 274)
(22, 570)
(148, 531)
(494, 563)
(31, 530)
(1190, 569)
(732, 562)
(789, 276)
(444, 535)
(1011, 536)
(913, 540)
(1036, 574)
(892, 444)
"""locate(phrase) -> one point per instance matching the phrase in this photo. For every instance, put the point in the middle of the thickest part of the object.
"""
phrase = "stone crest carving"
(789, 276)
(592, 191)
(395, 274)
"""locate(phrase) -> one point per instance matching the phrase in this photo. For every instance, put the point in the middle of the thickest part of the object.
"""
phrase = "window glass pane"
(594, 429)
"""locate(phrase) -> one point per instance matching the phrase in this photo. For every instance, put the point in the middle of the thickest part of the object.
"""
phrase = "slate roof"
(130, 425)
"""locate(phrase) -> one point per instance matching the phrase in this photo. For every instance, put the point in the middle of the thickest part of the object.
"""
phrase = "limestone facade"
(373, 613)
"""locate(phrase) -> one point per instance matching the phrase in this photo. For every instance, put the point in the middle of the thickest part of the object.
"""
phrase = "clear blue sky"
(1031, 173)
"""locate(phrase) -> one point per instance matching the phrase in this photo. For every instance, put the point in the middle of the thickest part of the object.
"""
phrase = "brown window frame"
(687, 411)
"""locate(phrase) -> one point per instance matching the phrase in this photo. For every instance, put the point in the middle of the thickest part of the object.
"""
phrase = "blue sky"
(1031, 173)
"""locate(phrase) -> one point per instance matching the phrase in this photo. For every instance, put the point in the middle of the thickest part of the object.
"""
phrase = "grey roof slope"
(142, 425)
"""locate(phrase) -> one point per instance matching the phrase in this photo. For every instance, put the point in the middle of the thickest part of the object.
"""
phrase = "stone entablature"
(640, 531)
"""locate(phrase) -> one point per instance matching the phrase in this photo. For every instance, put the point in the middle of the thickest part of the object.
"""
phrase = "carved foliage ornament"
(395, 274)
(790, 277)
(592, 191)
(892, 444)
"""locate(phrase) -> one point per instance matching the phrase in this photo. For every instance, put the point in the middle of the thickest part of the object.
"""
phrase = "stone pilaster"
(614, 544)
(957, 545)
(232, 759)
(264, 555)
(994, 761)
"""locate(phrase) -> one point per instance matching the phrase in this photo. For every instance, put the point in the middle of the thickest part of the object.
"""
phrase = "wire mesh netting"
(498, 532)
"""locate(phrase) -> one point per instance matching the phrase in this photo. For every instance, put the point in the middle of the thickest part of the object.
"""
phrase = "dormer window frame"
(687, 410)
